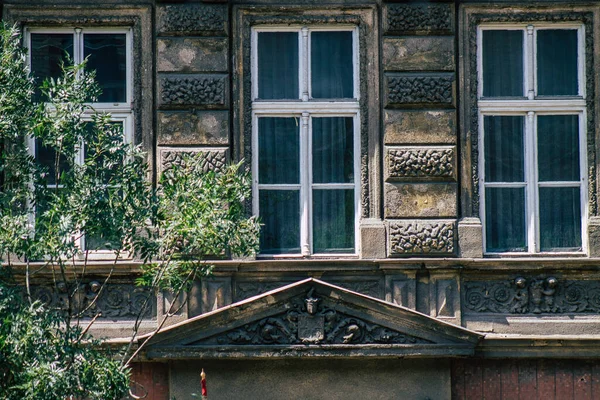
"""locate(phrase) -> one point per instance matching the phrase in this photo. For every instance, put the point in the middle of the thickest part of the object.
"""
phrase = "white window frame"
(305, 108)
(530, 106)
(119, 112)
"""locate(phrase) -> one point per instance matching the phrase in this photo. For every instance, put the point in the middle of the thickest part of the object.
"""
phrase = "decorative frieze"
(420, 89)
(532, 295)
(421, 237)
(419, 18)
(114, 301)
(192, 19)
(193, 90)
(421, 163)
(307, 321)
(211, 159)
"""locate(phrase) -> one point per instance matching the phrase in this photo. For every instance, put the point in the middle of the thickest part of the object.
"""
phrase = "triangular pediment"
(312, 318)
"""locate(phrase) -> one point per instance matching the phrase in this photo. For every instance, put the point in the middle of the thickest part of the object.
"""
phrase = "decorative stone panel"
(424, 162)
(422, 127)
(192, 54)
(189, 128)
(206, 91)
(192, 19)
(420, 200)
(214, 159)
(427, 89)
(115, 301)
(421, 237)
(418, 53)
(401, 19)
(532, 295)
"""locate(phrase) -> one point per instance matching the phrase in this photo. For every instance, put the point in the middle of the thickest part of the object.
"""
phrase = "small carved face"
(311, 305)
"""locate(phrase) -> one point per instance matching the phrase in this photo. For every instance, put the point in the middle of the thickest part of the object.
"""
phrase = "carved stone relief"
(420, 89)
(535, 295)
(115, 301)
(192, 19)
(419, 18)
(190, 90)
(212, 160)
(421, 163)
(308, 321)
(421, 237)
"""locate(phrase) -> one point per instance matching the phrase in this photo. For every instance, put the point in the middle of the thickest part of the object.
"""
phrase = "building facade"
(426, 174)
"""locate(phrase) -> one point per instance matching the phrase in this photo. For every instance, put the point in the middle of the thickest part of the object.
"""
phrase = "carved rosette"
(420, 89)
(436, 163)
(309, 322)
(532, 296)
(115, 301)
(192, 90)
(421, 237)
(199, 19)
(211, 160)
(419, 18)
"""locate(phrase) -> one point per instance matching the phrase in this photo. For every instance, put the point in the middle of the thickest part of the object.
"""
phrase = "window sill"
(568, 254)
(295, 257)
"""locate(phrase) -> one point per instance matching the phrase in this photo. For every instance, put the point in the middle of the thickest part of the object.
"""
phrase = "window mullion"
(304, 65)
(78, 48)
(530, 63)
(305, 186)
(532, 189)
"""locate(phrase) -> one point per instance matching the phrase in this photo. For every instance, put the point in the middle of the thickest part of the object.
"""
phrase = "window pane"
(505, 219)
(558, 147)
(331, 65)
(48, 51)
(504, 152)
(333, 153)
(278, 65)
(560, 219)
(502, 63)
(278, 150)
(107, 56)
(333, 221)
(557, 62)
(280, 219)
(46, 157)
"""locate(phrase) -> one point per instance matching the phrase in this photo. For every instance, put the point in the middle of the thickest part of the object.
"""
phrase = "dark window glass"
(48, 52)
(560, 219)
(278, 151)
(333, 221)
(333, 152)
(46, 157)
(278, 65)
(280, 218)
(505, 219)
(557, 62)
(504, 151)
(107, 56)
(558, 147)
(502, 63)
(331, 65)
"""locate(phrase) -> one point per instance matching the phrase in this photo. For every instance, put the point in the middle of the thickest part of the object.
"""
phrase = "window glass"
(107, 56)
(557, 62)
(502, 63)
(46, 157)
(49, 51)
(505, 219)
(560, 218)
(280, 217)
(333, 221)
(331, 65)
(504, 152)
(279, 150)
(333, 150)
(558, 147)
(278, 65)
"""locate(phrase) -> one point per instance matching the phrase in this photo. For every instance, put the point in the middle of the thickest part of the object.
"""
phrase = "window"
(108, 52)
(305, 156)
(532, 114)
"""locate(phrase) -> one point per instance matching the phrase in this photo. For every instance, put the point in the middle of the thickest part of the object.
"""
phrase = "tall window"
(108, 52)
(532, 127)
(305, 147)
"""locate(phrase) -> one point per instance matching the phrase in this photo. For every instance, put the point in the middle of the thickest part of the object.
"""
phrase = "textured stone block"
(186, 128)
(470, 238)
(372, 239)
(192, 19)
(426, 89)
(214, 159)
(419, 127)
(207, 91)
(192, 54)
(418, 54)
(418, 200)
(421, 237)
(418, 18)
(428, 163)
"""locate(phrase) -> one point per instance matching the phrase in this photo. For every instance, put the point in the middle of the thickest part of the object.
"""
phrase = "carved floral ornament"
(533, 295)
